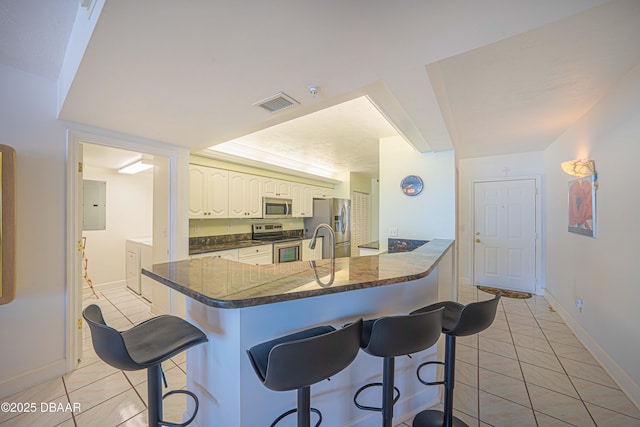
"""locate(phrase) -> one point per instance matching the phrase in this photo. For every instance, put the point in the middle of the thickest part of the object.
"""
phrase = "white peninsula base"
(230, 394)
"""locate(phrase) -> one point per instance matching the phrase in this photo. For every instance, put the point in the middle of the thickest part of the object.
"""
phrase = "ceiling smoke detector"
(278, 102)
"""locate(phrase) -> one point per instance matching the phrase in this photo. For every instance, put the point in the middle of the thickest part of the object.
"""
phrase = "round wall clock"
(411, 185)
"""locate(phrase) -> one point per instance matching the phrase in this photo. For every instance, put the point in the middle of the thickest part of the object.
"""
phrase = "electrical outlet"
(196, 228)
(229, 227)
(393, 231)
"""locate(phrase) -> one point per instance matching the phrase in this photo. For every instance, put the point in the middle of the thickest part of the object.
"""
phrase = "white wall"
(429, 215)
(470, 170)
(602, 271)
(129, 215)
(33, 325)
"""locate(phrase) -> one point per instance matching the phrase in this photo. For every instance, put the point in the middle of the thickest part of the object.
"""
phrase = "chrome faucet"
(312, 244)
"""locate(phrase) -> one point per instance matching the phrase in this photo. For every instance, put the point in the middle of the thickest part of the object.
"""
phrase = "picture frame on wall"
(582, 206)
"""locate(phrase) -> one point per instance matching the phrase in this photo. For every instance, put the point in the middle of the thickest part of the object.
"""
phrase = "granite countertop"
(229, 284)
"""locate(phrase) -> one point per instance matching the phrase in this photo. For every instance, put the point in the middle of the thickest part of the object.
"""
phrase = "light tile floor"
(527, 369)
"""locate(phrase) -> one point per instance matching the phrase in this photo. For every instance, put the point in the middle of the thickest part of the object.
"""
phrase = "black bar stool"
(393, 336)
(298, 360)
(459, 321)
(145, 346)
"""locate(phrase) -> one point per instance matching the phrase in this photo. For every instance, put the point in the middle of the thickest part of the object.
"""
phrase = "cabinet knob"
(477, 240)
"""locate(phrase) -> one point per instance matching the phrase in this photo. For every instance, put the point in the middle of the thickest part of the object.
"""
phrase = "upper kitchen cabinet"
(276, 188)
(322, 193)
(302, 200)
(208, 192)
(245, 195)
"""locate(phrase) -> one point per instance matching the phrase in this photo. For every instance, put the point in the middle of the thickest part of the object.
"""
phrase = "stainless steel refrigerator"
(337, 214)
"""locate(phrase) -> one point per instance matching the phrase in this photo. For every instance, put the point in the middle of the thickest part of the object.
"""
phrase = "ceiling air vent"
(278, 102)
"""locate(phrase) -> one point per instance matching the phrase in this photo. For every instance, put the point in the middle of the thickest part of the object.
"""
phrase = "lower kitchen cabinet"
(230, 254)
(256, 255)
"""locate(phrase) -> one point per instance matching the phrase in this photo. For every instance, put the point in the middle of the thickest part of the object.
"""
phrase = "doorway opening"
(163, 220)
(117, 218)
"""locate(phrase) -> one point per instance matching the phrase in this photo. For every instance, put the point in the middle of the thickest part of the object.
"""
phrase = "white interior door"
(505, 234)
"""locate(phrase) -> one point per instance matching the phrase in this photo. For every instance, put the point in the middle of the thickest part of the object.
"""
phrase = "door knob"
(477, 240)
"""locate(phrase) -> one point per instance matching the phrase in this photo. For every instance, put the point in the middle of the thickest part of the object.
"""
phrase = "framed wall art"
(582, 206)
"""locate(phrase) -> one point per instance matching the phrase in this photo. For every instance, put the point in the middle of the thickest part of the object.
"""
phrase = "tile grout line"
(562, 365)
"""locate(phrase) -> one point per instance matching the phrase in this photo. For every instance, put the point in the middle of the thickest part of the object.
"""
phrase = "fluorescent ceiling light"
(136, 167)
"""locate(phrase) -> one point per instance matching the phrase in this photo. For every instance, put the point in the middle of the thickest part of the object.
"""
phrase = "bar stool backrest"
(296, 364)
(393, 336)
(475, 317)
(108, 342)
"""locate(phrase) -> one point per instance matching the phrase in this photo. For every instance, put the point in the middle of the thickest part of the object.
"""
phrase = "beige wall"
(602, 271)
(33, 325)
(429, 215)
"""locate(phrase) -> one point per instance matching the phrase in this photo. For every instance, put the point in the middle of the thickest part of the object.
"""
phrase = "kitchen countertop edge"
(423, 255)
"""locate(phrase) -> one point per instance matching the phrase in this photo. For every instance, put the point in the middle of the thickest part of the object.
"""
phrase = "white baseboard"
(32, 378)
(624, 381)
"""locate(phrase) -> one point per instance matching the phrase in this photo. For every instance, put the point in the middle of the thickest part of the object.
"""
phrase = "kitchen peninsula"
(240, 305)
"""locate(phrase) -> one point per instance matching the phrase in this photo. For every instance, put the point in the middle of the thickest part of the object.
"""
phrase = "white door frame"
(539, 234)
(178, 232)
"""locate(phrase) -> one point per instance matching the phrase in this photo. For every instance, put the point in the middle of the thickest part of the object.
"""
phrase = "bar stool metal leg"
(387, 391)
(154, 395)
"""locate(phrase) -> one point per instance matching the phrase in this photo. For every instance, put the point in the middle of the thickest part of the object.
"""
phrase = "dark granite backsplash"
(209, 241)
(404, 245)
(229, 241)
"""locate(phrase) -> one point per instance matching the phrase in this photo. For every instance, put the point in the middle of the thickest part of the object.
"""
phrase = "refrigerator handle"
(342, 220)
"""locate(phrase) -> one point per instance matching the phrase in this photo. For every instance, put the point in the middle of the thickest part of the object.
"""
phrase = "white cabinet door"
(197, 191)
(276, 188)
(322, 193)
(217, 193)
(245, 195)
(208, 192)
(302, 203)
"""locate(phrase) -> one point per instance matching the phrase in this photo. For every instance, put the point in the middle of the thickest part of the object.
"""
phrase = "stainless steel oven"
(286, 248)
(287, 251)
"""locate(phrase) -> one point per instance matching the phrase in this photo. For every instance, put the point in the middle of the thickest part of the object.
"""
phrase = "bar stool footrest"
(373, 408)
(434, 418)
(432, 362)
(195, 412)
(293, 411)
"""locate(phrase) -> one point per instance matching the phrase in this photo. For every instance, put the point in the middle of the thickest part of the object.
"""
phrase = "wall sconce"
(136, 167)
(579, 167)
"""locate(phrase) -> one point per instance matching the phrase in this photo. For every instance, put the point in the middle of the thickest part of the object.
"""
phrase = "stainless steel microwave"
(276, 208)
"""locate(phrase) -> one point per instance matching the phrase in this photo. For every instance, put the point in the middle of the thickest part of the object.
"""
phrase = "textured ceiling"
(34, 34)
(485, 78)
(520, 94)
(344, 137)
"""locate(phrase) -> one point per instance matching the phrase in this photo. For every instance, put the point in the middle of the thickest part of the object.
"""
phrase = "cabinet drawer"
(255, 250)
